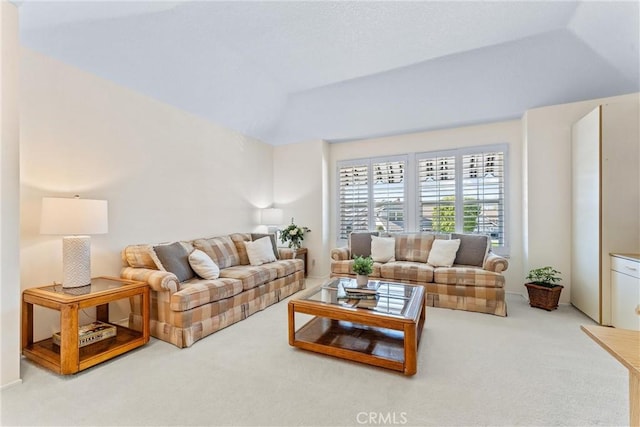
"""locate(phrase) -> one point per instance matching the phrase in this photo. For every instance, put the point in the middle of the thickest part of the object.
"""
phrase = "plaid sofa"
(184, 312)
(478, 287)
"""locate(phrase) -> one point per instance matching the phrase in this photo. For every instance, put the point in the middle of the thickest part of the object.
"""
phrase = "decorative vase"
(362, 279)
(294, 248)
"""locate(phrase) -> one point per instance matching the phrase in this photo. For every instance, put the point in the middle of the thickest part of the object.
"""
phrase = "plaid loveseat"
(478, 287)
(184, 312)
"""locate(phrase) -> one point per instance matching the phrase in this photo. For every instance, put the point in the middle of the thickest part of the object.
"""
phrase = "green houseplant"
(363, 267)
(543, 288)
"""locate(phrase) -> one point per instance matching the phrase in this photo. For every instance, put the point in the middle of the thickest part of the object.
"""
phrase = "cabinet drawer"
(625, 301)
(625, 266)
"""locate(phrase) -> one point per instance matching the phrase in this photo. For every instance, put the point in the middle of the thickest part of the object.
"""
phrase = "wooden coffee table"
(385, 334)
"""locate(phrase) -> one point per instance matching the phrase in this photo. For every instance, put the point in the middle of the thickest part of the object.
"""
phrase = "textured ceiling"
(291, 71)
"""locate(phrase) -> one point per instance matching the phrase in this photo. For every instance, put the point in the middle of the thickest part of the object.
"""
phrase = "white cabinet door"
(585, 255)
(625, 294)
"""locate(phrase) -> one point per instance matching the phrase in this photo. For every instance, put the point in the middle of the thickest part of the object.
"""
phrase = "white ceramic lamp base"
(76, 261)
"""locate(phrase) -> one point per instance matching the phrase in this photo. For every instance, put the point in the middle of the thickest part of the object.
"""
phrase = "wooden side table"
(302, 254)
(68, 357)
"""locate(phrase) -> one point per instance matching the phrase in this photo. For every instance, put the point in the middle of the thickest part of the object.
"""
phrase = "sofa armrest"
(340, 254)
(495, 263)
(159, 281)
(285, 253)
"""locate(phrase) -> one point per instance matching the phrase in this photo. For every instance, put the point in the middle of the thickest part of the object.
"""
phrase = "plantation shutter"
(353, 199)
(450, 191)
(483, 192)
(437, 190)
(389, 195)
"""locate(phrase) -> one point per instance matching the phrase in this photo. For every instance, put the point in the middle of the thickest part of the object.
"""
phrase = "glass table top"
(98, 284)
(384, 297)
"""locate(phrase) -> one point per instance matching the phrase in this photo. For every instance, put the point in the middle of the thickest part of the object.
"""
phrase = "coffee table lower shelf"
(366, 344)
(386, 336)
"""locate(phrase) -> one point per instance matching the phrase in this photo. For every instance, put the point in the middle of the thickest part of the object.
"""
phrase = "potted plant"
(544, 291)
(363, 267)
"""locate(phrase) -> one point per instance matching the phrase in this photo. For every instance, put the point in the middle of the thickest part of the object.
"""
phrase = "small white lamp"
(271, 217)
(74, 218)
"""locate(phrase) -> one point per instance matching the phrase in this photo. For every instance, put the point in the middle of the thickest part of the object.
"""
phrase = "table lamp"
(271, 217)
(75, 218)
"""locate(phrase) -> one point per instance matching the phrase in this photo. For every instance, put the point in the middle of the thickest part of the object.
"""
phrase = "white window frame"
(458, 154)
(369, 162)
(339, 166)
(412, 187)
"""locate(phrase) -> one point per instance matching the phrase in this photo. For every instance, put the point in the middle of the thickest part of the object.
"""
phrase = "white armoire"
(605, 202)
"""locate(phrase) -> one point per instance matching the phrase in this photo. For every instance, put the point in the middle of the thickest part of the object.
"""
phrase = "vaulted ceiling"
(287, 72)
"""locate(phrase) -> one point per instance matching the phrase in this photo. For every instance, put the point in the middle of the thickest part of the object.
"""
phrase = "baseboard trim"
(11, 384)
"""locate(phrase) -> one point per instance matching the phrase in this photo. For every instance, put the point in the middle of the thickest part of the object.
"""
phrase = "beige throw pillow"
(260, 251)
(256, 236)
(443, 252)
(383, 249)
(203, 265)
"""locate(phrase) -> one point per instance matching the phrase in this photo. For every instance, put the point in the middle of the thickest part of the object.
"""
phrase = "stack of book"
(367, 303)
(369, 292)
(91, 333)
(356, 296)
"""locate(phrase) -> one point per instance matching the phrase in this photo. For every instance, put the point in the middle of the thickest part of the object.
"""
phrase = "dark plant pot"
(543, 297)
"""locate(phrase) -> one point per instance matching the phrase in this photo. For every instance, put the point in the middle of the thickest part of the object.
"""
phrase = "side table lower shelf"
(47, 353)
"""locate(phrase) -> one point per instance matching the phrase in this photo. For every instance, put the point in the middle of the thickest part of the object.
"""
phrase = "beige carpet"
(531, 368)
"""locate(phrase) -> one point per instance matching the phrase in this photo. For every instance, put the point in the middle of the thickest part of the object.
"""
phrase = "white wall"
(301, 190)
(10, 195)
(547, 184)
(503, 132)
(166, 174)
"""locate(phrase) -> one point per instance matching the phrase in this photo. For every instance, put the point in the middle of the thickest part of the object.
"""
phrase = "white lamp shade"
(271, 216)
(73, 216)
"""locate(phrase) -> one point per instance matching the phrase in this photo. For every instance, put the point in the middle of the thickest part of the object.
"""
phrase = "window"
(353, 199)
(437, 192)
(388, 195)
(460, 190)
(371, 195)
(483, 192)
